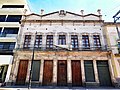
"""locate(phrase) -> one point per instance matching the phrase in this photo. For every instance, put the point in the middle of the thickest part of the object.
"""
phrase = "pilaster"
(55, 72)
(69, 72)
(41, 71)
(83, 72)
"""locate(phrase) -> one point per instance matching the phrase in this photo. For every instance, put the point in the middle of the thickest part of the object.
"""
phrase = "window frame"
(62, 40)
(85, 42)
(49, 42)
(96, 40)
(38, 41)
(74, 41)
(27, 41)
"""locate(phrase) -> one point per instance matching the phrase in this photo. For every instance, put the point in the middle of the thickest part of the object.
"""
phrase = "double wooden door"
(22, 72)
(48, 72)
(103, 73)
(62, 73)
(76, 73)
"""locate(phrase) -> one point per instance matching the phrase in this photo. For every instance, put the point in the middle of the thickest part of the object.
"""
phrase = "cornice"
(35, 21)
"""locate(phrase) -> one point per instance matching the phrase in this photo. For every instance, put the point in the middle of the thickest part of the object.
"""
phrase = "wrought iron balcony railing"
(56, 48)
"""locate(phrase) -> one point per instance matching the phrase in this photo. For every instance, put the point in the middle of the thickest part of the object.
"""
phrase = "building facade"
(11, 12)
(69, 49)
(110, 29)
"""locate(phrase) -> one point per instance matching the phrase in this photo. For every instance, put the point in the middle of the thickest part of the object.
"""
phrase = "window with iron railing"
(62, 40)
(85, 42)
(27, 41)
(49, 42)
(74, 41)
(96, 39)
(38, 41)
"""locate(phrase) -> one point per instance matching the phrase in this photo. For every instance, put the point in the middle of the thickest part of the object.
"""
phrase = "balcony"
(58, 48)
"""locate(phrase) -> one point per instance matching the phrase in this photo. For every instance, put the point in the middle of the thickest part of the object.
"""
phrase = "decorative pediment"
(32, 16)
(62, 15)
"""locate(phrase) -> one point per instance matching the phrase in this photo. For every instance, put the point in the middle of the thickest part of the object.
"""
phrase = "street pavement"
(57, 88)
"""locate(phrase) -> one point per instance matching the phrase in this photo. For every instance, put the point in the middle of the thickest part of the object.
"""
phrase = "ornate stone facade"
(59, 61)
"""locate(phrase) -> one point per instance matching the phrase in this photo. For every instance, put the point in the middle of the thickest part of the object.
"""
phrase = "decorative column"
(28, 71)
(55, 72)
(41, 71)
(15, 72)
(95, 71)
(69, 72)
(111, 70)
(83, 72)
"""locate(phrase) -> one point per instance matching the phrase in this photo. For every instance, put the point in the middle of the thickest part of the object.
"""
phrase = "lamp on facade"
(30, 76)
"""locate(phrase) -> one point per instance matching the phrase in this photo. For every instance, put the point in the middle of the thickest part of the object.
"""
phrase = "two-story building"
(69, 49)
(111, 30)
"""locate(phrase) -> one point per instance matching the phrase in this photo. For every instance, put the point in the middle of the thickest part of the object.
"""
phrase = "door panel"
(88, 65)
(48, 72)
(22, 72)
(62, 73)
(103, 73)
(35, 70)
(76, 73)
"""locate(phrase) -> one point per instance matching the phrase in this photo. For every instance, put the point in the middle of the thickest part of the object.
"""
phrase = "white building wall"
(113, 36)
(67, 28)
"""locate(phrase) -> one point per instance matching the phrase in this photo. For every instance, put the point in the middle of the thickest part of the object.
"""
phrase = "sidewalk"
(56, 88)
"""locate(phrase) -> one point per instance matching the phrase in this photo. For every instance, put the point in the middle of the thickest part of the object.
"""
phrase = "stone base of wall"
(117, 83)
(91, 84)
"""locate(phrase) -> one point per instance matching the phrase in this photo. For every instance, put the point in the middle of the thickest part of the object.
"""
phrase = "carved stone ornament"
(62, 13)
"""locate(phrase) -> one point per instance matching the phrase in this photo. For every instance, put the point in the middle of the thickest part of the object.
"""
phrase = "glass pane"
(13, 18)
(2, 18)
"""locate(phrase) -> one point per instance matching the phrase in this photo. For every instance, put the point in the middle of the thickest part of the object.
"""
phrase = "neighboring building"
(70, 49)
(11, 12)
(114, 45)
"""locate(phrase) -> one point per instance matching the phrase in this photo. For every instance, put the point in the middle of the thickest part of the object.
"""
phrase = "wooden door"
(48, 72)
(62, 73)
(22, 72)
(35, 70)
(76, 73)
(89, 71)
(103, 73)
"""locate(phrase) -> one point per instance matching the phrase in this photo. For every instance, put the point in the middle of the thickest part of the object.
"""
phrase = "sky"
(108, 7)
